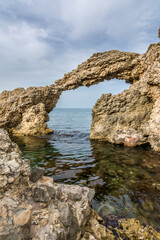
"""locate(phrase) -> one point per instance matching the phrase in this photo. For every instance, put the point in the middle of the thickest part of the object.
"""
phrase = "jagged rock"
(14, 171)
(104, 66)
(65, 216)
(37, 173)
(40, 210)
(125, 229)
(15, 222)
(96, 231)
(131, 118)
(33, 122)
(43, 193)
(48, 211)
(25, 112)
(122, 118)
(132, 229)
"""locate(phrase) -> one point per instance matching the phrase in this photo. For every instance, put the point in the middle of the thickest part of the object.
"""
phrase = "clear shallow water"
(124, 178)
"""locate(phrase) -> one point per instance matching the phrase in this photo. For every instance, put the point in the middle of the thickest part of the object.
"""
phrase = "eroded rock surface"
(131, 118)
(14, 171)
(32, 206)
(122, 118)
(104, 66)
(25, 112)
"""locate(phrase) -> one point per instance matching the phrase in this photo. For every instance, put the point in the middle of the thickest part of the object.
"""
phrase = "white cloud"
(87, 16)
(40, 40)
(22, 46)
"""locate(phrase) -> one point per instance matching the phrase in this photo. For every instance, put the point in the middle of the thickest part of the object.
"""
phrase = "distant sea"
(123, 178)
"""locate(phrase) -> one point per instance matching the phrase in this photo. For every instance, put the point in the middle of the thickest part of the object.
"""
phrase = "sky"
(41, 40)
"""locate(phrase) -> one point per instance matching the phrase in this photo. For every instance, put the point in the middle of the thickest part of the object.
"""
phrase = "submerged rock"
(38, 209)
(42, 209)
(132, 229)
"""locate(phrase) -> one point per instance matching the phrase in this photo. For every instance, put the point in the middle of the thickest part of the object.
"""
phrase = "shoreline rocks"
(25, 112)
(132, 117)
(32, 206)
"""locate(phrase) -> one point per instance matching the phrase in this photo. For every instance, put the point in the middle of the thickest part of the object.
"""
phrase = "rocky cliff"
(133, 116)
(130, 118)
(25, 112)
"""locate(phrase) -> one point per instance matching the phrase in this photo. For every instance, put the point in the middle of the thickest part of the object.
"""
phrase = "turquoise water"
(124, 179)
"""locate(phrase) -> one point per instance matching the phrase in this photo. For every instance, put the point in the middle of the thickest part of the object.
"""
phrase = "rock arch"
(25, 112)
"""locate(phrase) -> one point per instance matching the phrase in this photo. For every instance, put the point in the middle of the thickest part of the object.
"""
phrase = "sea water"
(125, 179)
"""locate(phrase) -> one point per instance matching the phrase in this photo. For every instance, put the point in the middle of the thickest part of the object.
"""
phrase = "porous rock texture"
(130, 118)
(25, 112)
(38, 209)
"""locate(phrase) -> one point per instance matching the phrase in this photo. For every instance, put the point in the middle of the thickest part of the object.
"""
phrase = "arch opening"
(86, 97)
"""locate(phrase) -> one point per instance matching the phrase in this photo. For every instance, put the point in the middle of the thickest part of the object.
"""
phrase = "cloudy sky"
(40, 40)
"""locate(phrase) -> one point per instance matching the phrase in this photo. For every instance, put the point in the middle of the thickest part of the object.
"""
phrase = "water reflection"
(124, 178)
(130, 175)
(37, 149)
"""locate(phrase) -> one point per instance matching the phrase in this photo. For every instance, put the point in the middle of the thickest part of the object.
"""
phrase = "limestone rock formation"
(13, 169)
(130, 118)
(33, 207)
(104, 66)
(121, 118)
(25, 112)
(15, 215)
(129, 229)
(38, 209)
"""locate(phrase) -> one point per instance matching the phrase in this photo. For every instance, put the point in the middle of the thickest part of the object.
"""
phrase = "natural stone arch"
(26, 111)
(108, 65)
(104, 66)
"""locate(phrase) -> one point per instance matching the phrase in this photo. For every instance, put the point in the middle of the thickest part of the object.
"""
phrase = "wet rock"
(37, 173)
(46, 210)
(156, 186)
(111, 172)
(40, 209)
(111, 220)
(120, 172)
(132, 229)
(65, 214)
(96, 231)
(43, 193)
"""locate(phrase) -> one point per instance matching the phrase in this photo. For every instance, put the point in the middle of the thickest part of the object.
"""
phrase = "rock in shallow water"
(37, 173)
(48, 211)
